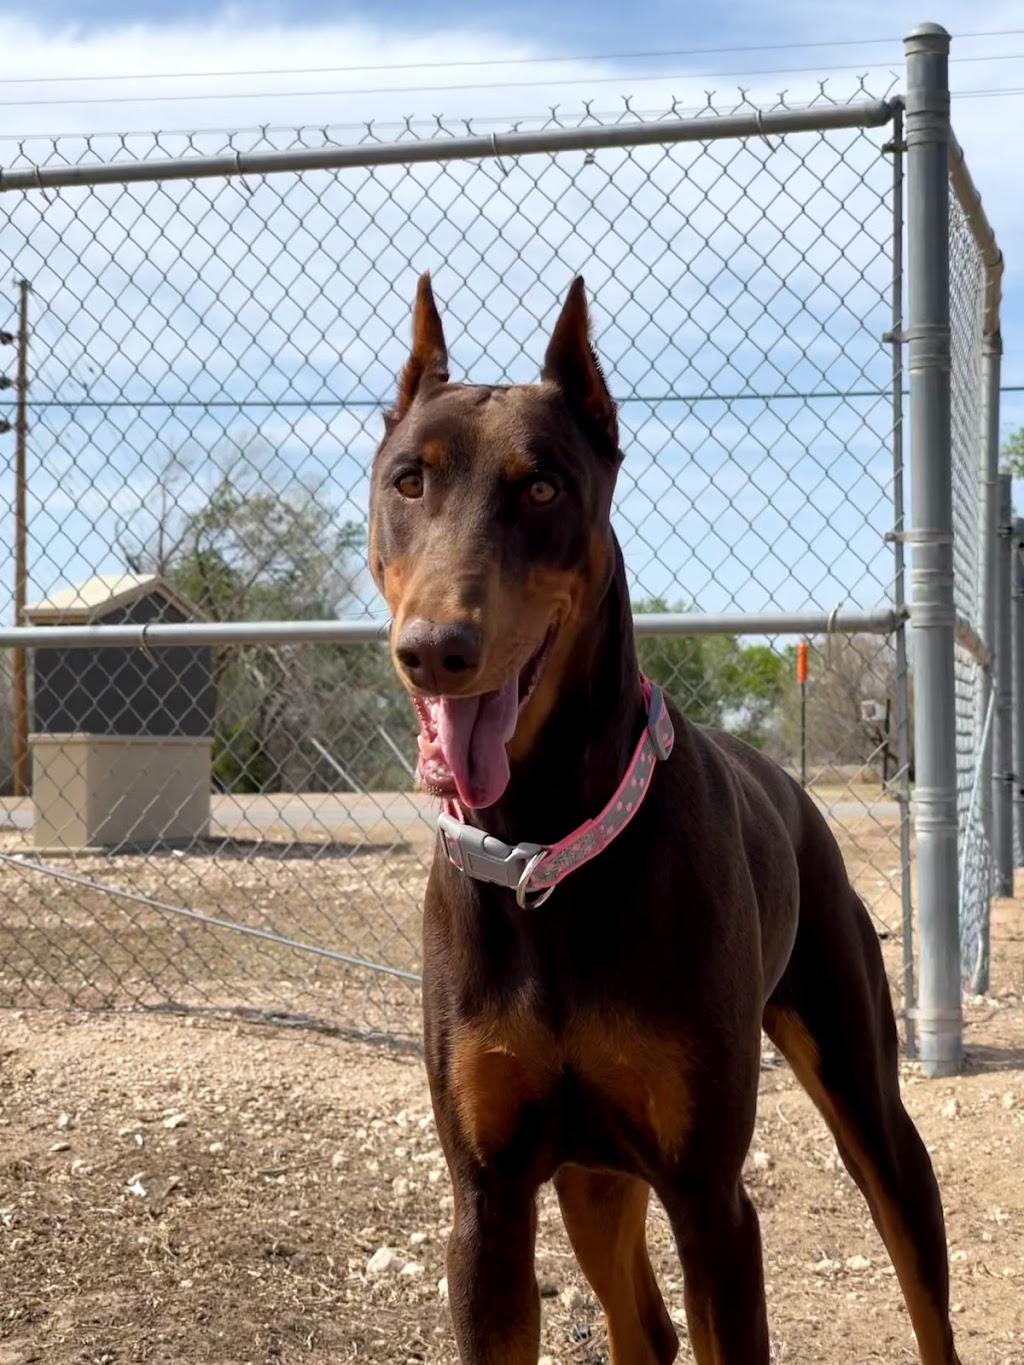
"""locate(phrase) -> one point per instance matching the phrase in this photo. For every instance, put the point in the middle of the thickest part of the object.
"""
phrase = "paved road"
(376, 817)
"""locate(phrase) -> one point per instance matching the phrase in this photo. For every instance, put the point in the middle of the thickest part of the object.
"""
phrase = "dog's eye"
(541, 492)
(410, 484)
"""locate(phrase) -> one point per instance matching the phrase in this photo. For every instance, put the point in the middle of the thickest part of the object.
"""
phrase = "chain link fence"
(225, 825)
(973, 505)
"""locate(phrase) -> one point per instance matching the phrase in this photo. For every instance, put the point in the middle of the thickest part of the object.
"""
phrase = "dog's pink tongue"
(472, 733)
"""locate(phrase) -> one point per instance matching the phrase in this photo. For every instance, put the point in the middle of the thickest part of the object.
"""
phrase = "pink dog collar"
(534, 870)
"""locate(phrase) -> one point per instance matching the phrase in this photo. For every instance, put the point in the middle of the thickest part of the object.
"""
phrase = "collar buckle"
(488, 859)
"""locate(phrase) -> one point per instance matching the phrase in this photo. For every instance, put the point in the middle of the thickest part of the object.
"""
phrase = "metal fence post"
(939, 1013)
(1002, 752)
(1017, 591)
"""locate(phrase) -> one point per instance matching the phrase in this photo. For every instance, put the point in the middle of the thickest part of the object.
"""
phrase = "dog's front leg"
(719, 1243)
(492, 1287)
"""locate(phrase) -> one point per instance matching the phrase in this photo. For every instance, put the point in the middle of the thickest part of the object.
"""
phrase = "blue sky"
(729, 504)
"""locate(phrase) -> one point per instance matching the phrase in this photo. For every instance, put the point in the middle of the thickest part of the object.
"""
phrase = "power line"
(477, 63)
(344, 404)
(991, 92)
(618, 78)
(406, 125)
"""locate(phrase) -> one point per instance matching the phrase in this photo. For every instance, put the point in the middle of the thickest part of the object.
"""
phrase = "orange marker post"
(802, 651)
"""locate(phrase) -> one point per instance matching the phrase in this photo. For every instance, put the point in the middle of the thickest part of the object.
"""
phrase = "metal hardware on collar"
(515, 866)
(662, 734)
(486, 858)
(523, 885)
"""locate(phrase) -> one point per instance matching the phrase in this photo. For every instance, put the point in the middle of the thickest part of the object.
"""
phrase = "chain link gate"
(215, 324)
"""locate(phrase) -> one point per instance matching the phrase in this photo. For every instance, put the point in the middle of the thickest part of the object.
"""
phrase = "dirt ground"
(187, 1190)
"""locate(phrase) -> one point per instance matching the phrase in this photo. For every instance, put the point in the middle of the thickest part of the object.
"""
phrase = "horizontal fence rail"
(666, 132)
(355, 632)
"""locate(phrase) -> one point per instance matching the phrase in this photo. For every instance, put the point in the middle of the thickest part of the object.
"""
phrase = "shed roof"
(82, 603)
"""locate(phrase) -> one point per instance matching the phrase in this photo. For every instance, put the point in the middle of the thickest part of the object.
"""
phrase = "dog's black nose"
(439, 658)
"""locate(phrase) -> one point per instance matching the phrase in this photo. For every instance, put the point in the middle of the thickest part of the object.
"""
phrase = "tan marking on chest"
(499, 1066)
(643, 1074)
(502, 1065)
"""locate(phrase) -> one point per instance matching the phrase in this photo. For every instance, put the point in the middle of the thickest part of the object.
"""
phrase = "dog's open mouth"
(462, 739)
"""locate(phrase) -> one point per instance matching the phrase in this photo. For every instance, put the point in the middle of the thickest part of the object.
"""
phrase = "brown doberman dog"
(609, 1041)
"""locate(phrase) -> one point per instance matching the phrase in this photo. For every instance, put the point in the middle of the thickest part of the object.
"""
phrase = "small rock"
(63, 1123)
(827, 1266)
(956, 1308)
(175, 1121)
(546, 1360)
(338, 1159)
(1009, 1100)
(411, 1268)
(958, 1255)
(951, 1109)
(416, 1239)
(400, 1187)
(761, 1160)
(137, 1188)
(61, 1147)
(571, 1297)
(384, 1261)
(215, 1148)
(858, 1263)
(442, 1289)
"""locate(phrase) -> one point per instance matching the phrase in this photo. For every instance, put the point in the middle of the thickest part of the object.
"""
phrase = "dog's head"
(490, 540)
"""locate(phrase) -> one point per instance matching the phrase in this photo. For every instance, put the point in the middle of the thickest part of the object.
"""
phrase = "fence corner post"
(939, 1012)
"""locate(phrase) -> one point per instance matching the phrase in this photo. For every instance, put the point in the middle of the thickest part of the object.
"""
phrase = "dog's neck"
(582, 750)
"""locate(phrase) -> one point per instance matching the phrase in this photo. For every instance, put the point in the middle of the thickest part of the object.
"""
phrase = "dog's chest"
(604, 1083)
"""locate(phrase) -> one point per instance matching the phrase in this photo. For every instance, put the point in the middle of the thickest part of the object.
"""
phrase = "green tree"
(753, 680)
(715, 680)
(1012, 452)
(292, 717)
(679, 664)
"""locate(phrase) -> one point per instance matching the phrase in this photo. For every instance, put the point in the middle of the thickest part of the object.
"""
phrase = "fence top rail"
(358, 631)
(755, 123)
(967, 196)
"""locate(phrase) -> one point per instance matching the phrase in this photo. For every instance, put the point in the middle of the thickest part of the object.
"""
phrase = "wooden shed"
(121, 739)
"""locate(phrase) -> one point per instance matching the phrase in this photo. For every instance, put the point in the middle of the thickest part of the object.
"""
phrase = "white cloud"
(278, 289)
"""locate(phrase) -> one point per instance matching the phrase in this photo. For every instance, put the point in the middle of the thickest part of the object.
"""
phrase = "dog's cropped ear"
(571, 364)
(428, 360)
